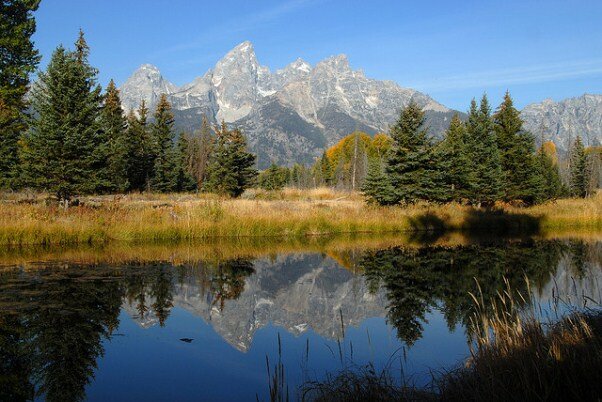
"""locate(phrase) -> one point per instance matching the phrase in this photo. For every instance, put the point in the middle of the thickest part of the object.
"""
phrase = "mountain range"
(294, 113)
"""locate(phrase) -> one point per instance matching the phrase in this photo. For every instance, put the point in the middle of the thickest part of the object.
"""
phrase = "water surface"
(176, 326)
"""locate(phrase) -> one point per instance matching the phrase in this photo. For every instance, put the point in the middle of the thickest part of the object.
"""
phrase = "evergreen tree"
(325, 171)
(61, 151)
(594, 168)
(414, 166)
(185, 180)
(161, 289)
(455, 154)
(138, 147)
(522, 180)
(579, 183)
(548, 171)
(300, 176)
(273, 178)
(116, 140)
(230, 170)
(220, 177)
(242, 162)
(377, 187)
(18, 59)
(164, 175)
(484, 153)
(296, 178)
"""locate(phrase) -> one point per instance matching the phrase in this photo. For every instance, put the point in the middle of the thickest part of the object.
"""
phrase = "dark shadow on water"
(500, 222)
(478, 226)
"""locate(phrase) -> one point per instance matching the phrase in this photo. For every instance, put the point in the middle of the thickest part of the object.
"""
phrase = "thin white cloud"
(241, 24)
(514, 76)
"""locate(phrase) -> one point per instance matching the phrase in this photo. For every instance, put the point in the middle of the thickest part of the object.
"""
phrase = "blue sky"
(451, 50)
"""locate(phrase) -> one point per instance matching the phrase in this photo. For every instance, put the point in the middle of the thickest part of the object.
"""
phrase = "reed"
(519, 356)
(516, 356)
(27, 219)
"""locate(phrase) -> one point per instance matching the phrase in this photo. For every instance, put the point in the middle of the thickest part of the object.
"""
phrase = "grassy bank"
(27, 220)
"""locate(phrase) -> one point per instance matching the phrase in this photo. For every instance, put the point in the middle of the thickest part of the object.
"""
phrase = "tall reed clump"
(518, 357)
(278, 389)
(363, 384)
(515, 356)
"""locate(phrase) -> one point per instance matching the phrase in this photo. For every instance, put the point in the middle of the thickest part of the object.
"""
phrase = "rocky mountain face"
(146, 83)
(292, 114)
(289, 115)
(563, 121)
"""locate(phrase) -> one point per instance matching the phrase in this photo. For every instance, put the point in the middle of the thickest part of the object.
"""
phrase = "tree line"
(486, 159)
(67, 137)
(489, 157)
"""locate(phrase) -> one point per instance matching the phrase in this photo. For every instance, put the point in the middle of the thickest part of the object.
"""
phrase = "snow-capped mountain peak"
(292, 114)
(145, 83)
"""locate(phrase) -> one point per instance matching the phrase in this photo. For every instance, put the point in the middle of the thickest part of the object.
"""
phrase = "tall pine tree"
(164, 176)
(414, 166)
(548, 170)
(521, 178)
(377, 187)
(273, 178)
(454, 150)
(185, 181)
(18, 59)
(116, 140)
(484, 155)
(579, 178)
(61, 151)
(230, 170)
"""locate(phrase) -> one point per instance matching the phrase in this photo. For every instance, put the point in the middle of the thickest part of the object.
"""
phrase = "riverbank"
(31, 220)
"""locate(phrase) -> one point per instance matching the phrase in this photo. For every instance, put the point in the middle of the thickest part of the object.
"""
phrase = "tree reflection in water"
(419, 280)
(54, 318)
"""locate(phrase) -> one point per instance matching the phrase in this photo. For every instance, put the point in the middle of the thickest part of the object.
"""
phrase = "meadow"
(33, 219)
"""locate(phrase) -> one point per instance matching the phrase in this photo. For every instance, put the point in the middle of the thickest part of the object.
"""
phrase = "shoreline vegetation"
(516, 356)
(30, 219)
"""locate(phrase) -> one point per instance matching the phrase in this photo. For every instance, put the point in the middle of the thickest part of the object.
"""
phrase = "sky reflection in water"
(114, 331)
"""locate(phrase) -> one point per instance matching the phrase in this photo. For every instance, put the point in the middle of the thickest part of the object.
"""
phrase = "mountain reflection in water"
(59, 320)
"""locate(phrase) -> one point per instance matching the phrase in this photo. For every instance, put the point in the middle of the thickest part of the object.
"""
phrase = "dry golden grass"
(26, 219)
(519, 357)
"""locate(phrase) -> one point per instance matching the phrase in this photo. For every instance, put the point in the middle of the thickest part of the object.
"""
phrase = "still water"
(190, 325)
